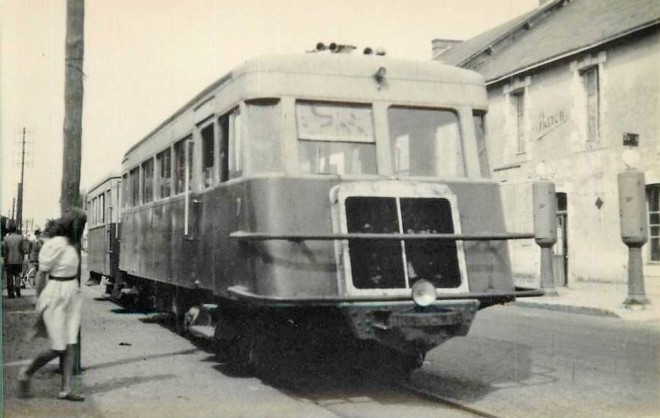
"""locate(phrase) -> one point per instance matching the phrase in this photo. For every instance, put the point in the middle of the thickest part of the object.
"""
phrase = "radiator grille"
(390, 264)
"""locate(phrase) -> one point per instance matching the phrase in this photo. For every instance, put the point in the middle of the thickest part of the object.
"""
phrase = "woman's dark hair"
(52, 229)
(73, 224)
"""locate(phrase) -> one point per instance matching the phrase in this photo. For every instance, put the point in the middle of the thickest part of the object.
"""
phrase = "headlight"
(423, 293)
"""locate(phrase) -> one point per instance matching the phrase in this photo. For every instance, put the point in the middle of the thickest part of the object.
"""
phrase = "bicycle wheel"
(31, 277)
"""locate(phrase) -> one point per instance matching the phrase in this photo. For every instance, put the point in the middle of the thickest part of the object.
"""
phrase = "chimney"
(440, 46)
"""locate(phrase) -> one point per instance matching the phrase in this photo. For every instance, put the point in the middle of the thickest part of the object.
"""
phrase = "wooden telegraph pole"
(70, 201)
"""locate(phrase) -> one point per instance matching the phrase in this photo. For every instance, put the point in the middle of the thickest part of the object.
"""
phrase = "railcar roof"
(108, 177)
(339, 65)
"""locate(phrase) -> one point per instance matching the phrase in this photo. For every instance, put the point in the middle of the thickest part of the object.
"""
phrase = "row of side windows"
(96, 208)
(167, 173)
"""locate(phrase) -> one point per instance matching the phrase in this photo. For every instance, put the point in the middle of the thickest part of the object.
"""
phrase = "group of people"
(59, 299)
(15, 249)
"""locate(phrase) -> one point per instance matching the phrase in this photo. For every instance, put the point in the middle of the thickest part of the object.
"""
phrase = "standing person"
(59, 305)
(12, 253)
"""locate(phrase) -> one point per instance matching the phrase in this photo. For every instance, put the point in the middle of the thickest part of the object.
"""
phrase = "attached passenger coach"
(334, 193)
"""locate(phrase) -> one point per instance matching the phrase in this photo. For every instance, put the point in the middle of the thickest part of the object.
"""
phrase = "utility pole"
(13, 209)
(70, 201)
(19, 209)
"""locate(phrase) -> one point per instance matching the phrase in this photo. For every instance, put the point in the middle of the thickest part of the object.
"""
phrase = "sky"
(145, 58)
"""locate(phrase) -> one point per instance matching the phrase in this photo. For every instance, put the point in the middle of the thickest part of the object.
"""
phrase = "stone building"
(572, 84)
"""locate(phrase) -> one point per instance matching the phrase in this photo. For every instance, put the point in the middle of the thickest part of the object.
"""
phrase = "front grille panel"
(374, 263)
(433, 260)
(393, 264)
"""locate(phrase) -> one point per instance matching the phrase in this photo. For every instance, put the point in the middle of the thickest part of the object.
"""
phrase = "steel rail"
(265, 236)
(445, 400)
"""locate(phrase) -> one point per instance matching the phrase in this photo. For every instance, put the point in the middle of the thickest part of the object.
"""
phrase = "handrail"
(489, 236)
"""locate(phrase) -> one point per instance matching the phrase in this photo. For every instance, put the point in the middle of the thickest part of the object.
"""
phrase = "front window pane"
(335, 138)
(425, 142)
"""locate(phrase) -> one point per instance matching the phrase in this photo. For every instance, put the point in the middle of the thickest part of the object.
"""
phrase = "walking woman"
(59, 305)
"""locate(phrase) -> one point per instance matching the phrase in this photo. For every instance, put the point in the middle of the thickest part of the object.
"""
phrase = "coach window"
(208, 155)
(164, 169)
(425, 142)
(101, 214)
(180, 166)
(230, 145)
(124, 191)
(263, 136)
(135, 186)
(335, 138)
(148, 181)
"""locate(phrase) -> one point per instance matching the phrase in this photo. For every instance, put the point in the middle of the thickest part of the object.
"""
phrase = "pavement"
(580, 298)
(601, 299)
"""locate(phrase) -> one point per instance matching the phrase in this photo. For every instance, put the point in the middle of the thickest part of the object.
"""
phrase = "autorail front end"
(407, 262)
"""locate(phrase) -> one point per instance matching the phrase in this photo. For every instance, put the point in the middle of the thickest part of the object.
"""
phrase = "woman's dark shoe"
(24, 391)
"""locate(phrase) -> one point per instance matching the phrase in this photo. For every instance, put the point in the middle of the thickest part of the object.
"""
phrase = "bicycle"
(28, 278)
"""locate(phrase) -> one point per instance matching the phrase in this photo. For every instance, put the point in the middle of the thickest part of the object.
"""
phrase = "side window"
(148, 181)
(164, 161)
(208, 155)
(180, 166)
(101, 214)
(653, 198)
(480, 133)
(125, 194)
(263, 135)
(223, 123)
(135, 186)
(230, 145)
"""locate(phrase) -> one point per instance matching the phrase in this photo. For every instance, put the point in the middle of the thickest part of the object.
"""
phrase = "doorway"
(560, 249)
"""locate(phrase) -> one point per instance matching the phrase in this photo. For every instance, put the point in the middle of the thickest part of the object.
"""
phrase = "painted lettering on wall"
(548, 121)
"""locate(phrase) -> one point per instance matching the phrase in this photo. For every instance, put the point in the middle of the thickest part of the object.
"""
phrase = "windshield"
(425, 142)
(335, 138)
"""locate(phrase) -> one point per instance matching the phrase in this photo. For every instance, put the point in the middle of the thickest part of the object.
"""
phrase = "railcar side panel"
(97, 255)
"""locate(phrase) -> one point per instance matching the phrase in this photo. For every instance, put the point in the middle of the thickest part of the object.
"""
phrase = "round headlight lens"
(423, 293)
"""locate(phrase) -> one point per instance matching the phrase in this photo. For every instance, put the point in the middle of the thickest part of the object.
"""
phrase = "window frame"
(518, 102)
(145, 183)
(462, 171)
(160, 181)
(372, 143)
(650, 189)
(590, 77)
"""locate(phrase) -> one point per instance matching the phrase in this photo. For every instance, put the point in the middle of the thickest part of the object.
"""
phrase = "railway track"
(427, 394)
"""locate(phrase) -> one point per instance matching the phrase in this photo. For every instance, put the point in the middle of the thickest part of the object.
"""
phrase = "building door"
(560, 249)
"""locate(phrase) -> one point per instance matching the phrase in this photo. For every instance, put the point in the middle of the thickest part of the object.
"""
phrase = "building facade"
(572, 85)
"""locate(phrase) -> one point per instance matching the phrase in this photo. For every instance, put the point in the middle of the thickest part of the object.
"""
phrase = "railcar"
(345, 194)
(102, 207)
